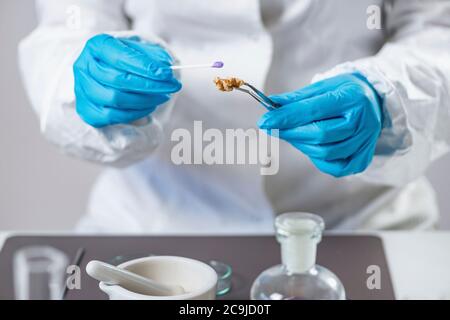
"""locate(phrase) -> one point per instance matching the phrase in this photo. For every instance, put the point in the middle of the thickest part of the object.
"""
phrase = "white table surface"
(419, 262)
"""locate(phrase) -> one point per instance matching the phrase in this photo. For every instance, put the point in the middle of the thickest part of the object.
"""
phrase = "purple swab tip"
(217, 64)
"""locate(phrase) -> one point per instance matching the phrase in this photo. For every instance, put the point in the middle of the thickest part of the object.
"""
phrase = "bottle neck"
(298, 253)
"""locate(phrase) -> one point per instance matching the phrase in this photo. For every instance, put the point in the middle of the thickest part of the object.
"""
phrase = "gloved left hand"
(335, 122)
(120, 80)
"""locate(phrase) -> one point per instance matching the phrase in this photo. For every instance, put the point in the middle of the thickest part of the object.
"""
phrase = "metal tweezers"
(259, 96)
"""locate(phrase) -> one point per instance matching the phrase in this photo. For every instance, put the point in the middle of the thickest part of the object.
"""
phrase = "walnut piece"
(228, 84)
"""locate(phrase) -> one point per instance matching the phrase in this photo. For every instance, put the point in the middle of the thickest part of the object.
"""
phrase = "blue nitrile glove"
(335, 122)
(120, 80)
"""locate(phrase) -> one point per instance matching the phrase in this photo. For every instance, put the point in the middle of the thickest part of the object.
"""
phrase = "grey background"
(41, 189)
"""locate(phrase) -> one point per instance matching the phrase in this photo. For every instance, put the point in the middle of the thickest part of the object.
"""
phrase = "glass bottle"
(298, 277)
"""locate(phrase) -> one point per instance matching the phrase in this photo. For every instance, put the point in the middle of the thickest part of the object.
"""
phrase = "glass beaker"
(39, 273)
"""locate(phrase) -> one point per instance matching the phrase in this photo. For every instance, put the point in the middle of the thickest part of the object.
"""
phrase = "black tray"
(347, 256)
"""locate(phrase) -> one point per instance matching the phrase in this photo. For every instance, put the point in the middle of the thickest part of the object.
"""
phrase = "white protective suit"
(277, 46)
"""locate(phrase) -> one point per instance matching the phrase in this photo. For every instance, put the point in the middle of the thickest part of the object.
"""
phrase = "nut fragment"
(228, 84)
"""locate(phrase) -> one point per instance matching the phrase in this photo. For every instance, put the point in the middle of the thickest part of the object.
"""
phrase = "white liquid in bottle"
(298, 277)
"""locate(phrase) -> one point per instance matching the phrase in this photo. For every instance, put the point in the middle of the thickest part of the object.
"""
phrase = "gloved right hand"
(120, 80)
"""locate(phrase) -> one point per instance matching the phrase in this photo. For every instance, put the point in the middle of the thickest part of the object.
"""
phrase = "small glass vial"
(39, 273)
(298, 277)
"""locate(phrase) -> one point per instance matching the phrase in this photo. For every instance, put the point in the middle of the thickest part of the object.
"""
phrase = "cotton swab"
(217, 64)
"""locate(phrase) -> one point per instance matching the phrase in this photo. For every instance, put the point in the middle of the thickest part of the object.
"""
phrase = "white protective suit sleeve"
(412, 75)
(46, 61)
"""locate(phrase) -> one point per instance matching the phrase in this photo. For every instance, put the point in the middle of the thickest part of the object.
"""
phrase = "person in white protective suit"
(278, 46)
